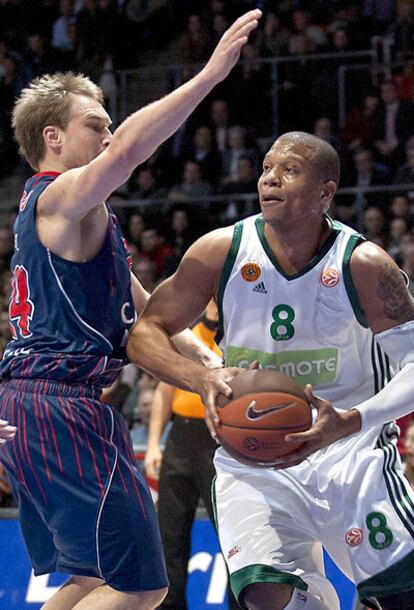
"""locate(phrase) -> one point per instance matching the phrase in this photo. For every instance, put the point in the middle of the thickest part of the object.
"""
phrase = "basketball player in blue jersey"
(85, 508)
(302, 293)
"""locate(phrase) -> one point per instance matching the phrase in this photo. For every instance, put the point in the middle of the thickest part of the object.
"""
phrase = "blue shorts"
(85, 508)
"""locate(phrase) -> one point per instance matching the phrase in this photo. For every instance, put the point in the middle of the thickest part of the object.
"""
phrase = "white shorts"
(351, 498)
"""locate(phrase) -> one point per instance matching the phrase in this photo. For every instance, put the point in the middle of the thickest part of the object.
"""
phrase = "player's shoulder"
(368, 257)
(372, 269)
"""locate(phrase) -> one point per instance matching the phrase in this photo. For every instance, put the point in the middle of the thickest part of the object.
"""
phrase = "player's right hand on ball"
(213, 383)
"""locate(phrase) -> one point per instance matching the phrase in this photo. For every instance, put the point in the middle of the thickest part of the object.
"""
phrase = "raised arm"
(79, 190)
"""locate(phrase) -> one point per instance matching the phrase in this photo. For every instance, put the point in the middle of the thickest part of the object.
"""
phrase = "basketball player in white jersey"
(308, 296)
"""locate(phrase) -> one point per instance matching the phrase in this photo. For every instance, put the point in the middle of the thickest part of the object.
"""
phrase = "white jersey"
(351, 496)
(308, 325)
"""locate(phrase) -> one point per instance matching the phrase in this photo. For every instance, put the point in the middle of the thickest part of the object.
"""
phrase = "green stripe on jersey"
(228, 266)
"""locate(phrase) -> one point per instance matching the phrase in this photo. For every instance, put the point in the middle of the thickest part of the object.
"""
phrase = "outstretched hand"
(330, 426)
(227, 52)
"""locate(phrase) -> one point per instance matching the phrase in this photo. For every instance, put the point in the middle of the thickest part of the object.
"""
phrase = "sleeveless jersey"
(309, 325)
(69, 320)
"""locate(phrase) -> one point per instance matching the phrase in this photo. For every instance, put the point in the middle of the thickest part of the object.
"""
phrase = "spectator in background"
(195, 42)
(273, 40)
(62, 40)
(136, 225)
(359, 122)
(204, 152)
(398, 227)
(405, 173)
(400, 207)
(220, 123)
(11, 84)
(192, 185)
(409, 453)
(38, 58)
(237, 147)
(403, 31)
(147, 270)
(365, 173)
(181, 232)
(251, 84)
(143, 184)
(154, 248)
(245, 182)
(394, 123)
(374, 226)
(301, 25)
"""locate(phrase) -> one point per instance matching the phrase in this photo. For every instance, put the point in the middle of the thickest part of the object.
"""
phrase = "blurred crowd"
(206, 174)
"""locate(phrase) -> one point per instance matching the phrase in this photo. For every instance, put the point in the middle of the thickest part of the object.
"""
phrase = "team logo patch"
(354, 536)
(330, 278)
(236, 549)
(250, 272)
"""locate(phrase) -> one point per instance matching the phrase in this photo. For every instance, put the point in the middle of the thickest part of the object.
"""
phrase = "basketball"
(266, 406)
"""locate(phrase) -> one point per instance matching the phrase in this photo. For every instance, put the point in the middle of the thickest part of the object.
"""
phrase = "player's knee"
(261, 595)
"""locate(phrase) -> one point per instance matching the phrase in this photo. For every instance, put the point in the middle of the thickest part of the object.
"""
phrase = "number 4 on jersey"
(21, 307)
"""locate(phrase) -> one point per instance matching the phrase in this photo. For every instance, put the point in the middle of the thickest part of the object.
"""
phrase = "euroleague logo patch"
(330, 278)
(354, 536)
(250, 272)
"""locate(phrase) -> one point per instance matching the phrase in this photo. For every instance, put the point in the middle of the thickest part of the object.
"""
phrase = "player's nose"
(272, 178)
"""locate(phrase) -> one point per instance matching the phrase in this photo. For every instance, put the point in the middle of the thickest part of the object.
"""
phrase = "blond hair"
(46, 101)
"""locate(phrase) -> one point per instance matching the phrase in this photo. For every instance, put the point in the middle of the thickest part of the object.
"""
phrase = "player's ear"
(327, 193)
(52, 137)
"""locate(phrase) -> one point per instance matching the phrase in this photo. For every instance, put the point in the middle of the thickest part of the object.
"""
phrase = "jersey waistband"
(45, 386)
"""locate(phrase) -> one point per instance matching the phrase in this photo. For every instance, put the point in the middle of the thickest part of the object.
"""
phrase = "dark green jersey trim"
(315, 260)
(262, 573)
(398, 578)
(225, 274)
(353, 242)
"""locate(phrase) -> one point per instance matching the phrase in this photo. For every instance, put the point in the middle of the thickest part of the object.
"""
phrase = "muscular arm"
(77, 191)
(186, 342)
(389, 309)
(174, 305)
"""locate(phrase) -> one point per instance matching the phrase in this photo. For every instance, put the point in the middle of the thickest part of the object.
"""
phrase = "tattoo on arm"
(392, 290)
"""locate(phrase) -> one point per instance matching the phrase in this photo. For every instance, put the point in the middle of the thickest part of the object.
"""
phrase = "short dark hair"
(324, 158)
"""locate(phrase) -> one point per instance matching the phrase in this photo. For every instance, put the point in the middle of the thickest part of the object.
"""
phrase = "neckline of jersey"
(335, 230)
(40, 174)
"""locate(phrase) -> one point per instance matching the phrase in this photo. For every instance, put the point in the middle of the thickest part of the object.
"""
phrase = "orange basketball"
(266, 406)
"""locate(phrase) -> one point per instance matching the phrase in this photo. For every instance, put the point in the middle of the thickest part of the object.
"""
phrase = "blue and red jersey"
(69, 320)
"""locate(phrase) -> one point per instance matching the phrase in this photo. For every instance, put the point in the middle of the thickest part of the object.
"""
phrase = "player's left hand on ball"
(330, 426)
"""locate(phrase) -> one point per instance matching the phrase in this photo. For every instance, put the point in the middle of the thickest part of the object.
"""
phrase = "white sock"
(303, 600)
